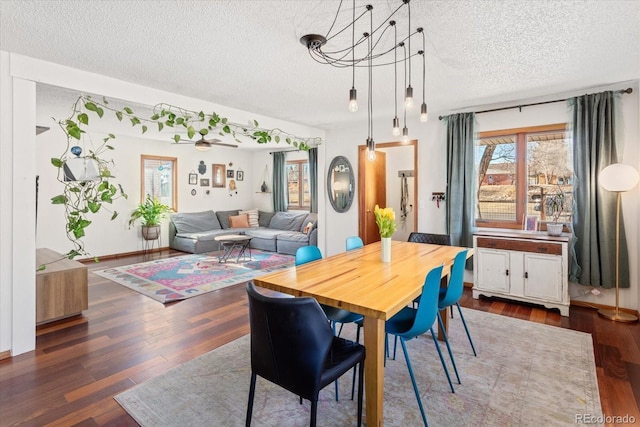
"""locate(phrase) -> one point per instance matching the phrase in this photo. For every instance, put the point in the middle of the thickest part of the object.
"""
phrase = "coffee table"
(232, 242)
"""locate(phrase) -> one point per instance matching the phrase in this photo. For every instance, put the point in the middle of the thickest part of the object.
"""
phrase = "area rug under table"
(178, 278)
(525, 374)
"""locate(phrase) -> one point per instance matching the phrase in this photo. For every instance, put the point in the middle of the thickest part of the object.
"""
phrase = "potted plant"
(150, 212)
(555, 205)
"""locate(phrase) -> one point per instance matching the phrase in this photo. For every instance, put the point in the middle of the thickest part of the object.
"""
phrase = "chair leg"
(444, 365)
(314, 412)
(360, 391)
(252, 390)
(413, 381)
(464, 323)
(340, 330)
(395, 346)
(353, 381)
(446, 341)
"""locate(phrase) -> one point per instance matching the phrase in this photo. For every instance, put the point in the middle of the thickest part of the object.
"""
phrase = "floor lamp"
(618, 178)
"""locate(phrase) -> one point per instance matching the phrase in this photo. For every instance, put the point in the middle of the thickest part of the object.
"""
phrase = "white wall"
(20, 162)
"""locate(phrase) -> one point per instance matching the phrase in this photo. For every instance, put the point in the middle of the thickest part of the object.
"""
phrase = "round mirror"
(340, 183)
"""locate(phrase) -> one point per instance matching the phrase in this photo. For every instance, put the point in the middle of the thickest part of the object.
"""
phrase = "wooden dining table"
(360, 282)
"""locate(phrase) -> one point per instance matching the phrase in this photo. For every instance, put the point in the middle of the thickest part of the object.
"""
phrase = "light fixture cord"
(409, 37)
(370, 79)
(353, 47)
(424, 68)
(395, 69)
(404, 47)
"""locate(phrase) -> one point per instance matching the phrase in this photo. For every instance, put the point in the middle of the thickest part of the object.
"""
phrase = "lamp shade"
(618, 177)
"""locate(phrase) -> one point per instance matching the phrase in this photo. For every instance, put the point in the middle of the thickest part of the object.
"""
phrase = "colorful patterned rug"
(178, 278)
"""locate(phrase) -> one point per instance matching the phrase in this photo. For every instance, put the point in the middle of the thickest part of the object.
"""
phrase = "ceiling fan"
(204, 144)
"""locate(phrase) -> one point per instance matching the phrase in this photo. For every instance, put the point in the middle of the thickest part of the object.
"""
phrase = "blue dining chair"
(335, 315)
(451, 295)
(354, 242)
(307, 254)
(411, 322)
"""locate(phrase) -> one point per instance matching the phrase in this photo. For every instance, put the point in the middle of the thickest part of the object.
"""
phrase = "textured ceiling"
(246, 54)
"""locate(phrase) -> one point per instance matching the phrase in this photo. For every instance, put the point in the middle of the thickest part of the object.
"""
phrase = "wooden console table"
(61, 288)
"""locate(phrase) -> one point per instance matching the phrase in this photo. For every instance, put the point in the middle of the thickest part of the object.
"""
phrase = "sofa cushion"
(263, 233)
(293, 237)
(253, 217)
(264, 218)
(239, 221)
(203, 236)
(223, 217)
(192, 222)
(287, 221)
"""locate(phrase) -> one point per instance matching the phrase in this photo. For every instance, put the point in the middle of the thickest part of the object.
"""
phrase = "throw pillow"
(264, 218)
(307, 228)
(253, 217)
(239, 221)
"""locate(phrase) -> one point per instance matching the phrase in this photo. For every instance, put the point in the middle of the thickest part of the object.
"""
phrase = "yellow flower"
(386, 220)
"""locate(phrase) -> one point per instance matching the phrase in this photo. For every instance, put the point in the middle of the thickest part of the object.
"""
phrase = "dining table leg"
(374, 370)
(445, 321)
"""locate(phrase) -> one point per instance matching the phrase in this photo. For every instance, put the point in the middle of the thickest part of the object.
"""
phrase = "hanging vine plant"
(88, 182)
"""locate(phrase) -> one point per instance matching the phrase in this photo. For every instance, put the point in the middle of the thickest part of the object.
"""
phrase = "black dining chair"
(293, 346)
(433, 239)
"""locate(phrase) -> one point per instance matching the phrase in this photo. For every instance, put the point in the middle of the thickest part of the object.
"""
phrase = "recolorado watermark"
(605, 419)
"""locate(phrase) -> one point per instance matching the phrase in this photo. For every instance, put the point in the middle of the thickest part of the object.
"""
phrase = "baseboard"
(602, 306)
(468, 285)
(123, 254)
(5, 354)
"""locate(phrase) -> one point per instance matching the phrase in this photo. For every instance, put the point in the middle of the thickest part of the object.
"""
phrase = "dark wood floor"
(125, 338)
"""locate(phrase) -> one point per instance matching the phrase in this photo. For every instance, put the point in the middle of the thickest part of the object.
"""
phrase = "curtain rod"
(627, 90)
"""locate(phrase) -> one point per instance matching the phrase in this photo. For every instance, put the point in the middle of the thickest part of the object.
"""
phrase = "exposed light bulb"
(396, 126)
(408, 99)
(353, 100)
(424, 115)
(405, 134)
(371, 149)
(371, 155)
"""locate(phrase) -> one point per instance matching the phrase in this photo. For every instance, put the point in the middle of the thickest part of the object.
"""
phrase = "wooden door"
(372, 190)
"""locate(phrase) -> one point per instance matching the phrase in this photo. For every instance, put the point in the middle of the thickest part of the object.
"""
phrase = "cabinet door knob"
(526, 275)
(507, 271)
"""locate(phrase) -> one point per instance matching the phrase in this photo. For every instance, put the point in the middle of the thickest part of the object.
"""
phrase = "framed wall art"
(219, 176)
(230, 173)
(239, 175)
(204, 182)
(193, 179)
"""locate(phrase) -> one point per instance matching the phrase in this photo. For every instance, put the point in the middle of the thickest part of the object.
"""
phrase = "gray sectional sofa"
(282, 232)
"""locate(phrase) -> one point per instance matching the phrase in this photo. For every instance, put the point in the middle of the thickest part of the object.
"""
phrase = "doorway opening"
(389, 181)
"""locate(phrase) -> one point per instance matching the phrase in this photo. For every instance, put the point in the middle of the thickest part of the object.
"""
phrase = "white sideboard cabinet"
(523, 266)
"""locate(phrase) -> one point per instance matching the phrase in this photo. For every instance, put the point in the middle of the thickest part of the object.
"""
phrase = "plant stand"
(151, 242)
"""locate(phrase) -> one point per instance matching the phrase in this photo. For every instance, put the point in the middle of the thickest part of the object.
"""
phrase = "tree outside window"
(517, 170)
(298, 194)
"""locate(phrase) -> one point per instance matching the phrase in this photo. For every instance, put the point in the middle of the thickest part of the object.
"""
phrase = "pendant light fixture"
(353, 93)
(371, 145)
(424, 115)
(405, 130)
(396, 122)
(333, 49)
(408, 99)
